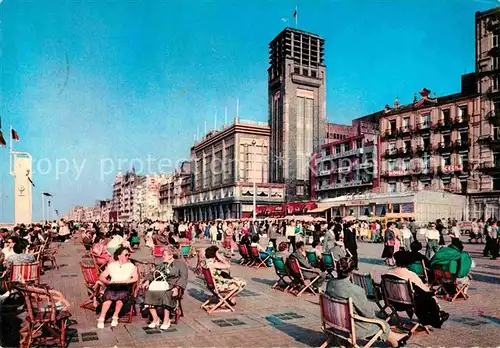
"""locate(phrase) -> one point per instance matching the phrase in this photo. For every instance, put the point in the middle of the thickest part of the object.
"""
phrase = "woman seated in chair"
(220, 271)
(454, 260)
(134, 240)
(100, 251)
(119, 277)
(342, 288)
(426, 306)
(175, 273)
(263, 253)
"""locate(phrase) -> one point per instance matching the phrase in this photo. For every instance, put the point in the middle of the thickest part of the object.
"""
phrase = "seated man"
(338, 250)
(310, 272)
(426, 306)
(19, 257)
(454, 260)
(417, 258)
(316, 248)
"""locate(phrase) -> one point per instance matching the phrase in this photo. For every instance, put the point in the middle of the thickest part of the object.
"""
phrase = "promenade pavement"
(271, 318)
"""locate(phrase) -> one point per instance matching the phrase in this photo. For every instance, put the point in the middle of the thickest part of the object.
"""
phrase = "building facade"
(425, 145)
(297, 108)
(484, 184)
(336, 132)
(225, 164)
(147, 197)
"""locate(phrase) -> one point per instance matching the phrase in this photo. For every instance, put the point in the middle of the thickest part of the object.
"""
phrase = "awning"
(321, 208)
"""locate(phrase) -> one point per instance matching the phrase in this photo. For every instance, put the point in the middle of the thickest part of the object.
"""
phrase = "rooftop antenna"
(225, 115)
(215, 123)
(197, 132)
(237, 108)
(204, 134)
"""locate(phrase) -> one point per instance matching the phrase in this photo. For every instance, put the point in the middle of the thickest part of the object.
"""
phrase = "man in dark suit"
(311, 272)
(350, 242)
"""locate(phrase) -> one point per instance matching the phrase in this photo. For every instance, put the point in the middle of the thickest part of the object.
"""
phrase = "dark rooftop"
(288, 29)
(488, 12)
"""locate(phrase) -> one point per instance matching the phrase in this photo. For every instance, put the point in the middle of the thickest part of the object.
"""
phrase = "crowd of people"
(112, 246)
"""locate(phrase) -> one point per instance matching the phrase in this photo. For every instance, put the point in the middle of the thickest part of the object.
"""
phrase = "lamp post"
(43, 208)
(254, 186)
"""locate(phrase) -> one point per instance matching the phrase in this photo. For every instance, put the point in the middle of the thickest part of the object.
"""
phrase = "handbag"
(391, 242)
(159, 282)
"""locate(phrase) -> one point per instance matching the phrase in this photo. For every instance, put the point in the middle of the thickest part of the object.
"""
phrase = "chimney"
(396, 103)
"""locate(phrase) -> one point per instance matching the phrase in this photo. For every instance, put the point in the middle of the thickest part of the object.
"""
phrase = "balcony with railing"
(460, 122)
(405, 131)
(392, 153)
(423, 149)
(492, 167)
(461, 145)
(423, 127)
(396, 173)
(323, 172)
(390, 134)
(489, 140)
(444, 147)
(344, 184)
(348, 153)
(442, 125)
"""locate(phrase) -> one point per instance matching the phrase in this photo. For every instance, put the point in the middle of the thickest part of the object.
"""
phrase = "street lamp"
(45, 194)
(254, 186)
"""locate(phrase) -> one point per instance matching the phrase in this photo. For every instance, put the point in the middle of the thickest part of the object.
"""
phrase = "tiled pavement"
(269, 318)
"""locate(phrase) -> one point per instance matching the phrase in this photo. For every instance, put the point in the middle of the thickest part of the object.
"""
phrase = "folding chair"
(399, 296)
(185, 252)
(90, 278)
(44, 324)
(158, 250)
(442, 279)
(329, 265)
(219, 301)
(100, 268)
(312, 258)
(26, 273)
(200, 253)
(49, 255)
(372, 290)
(245, 255)
(282, 273)
(419, 269)
(339, 321)
(128, 316)
(259, 261)
(298, 277)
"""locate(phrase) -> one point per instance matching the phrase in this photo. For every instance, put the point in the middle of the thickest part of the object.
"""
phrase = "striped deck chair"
(245, 255)
(312, 258)
(444, 278)
(329, 265)
(158, 250)
(298, 278)
(282, 273)
(259, 261)
(372, 290)
(90, 278)
(339, 321)
(221, 297)
(399, 296)
(26, 273)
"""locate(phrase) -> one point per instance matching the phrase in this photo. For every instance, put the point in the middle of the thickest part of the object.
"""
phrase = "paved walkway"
(270, 318)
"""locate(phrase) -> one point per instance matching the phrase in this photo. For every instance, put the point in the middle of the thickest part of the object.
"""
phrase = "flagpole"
(10, 150)
(296, 18)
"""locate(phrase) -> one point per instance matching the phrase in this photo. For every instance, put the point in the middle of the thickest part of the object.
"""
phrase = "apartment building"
(425, 145)
(147, 197)
(225, 164)
(484, 183)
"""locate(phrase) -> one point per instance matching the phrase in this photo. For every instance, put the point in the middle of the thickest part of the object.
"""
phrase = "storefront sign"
(407, 208)
(452, 168)
(398, 173)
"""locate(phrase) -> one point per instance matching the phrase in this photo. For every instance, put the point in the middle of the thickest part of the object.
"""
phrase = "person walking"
(350, 242)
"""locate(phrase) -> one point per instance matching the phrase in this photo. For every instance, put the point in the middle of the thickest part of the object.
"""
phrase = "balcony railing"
(492, 167)
(405, 130)
(442, 125)
(323, 172)
(390, 134)
(460, 122)
(444, 147)
(347, 153)
(396, 173)
(424, 127)
(459, 145)
(421, 149)
(491, 141)
(353, 183)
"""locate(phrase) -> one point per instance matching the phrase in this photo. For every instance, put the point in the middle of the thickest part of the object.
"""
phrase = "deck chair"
(312, 258)
(282, 273)
(90, 278)
(339, 321)
(245, 255)
(329, 265)
(372, 290)
(49, 255)
(100, 268)
(200, 260)
(158, 250)
(185, 252)
(25, 273)
(298, 278)
(219, 301)
(45, 324)
(445, 280)
(399, 296)
(258, 260)
(419, 269)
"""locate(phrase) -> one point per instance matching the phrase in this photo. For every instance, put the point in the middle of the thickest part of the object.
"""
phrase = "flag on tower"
(2, 139)
(295, 13)
(15, 136)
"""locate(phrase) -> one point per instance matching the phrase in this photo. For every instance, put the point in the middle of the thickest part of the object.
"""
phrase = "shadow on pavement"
(303, 335)
(371, 261)
(198, 295)
(484, 278)
(264, 281)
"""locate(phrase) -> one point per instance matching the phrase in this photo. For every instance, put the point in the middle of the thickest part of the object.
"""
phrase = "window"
(446, 115)
(296, 70)
(463, 137)
(392, 165)
(392, 187)
(427, 163)
(337, 148)
(305, 72)
(407, 145)
(314, 73)
(496, 159)
(406, 165)
(496, 133)
(447, 139)
(446, 160)
(496, 184)
(462, 112)
(426, 120)
(406, 122)
(359, 143)
(327, 151)
(495, 63)
(392, 125)
(426, 142)
(300, 190)
(495, 82)
(495, 41)
(392, 148)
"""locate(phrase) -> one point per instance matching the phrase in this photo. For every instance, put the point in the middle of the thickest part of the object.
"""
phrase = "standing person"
(228, 239)
(406, 237)
(413, 228)
(329, 240)
(213, 233)
(273, 235)
(432, 238)
(491, 247)
(290, 235)
(454, 230)
(440, 227)
(389, 242)
(350, 242)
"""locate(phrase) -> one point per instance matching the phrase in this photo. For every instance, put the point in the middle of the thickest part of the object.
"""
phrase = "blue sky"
(94, 80)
